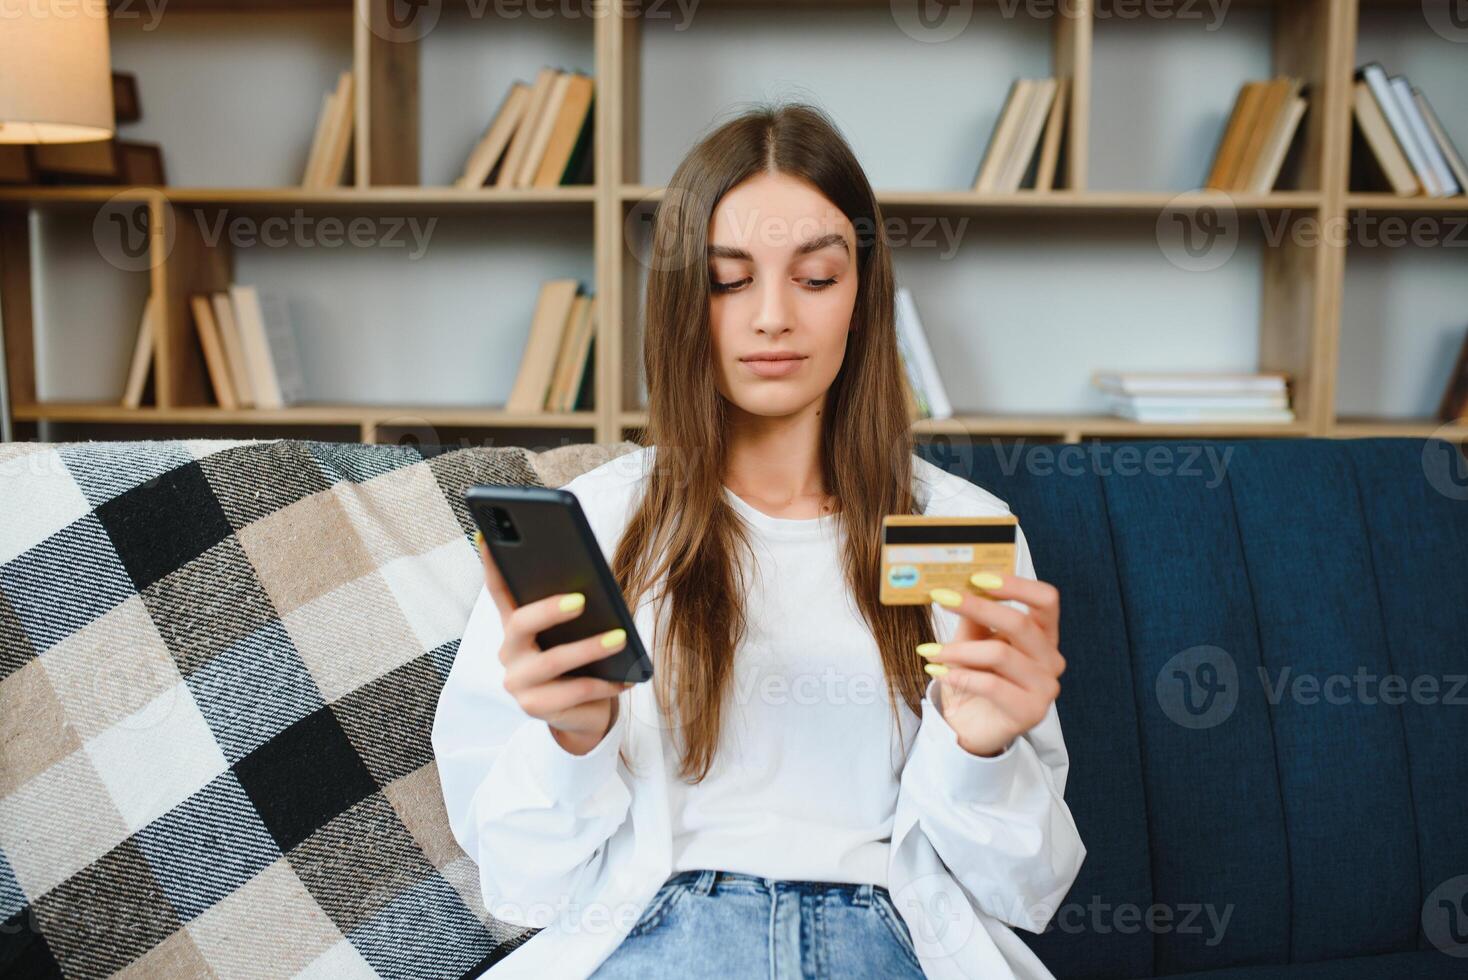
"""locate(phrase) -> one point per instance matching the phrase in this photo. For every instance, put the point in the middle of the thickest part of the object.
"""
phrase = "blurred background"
(365, 220)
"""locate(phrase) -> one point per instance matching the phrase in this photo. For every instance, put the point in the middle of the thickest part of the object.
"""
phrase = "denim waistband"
(706, 881)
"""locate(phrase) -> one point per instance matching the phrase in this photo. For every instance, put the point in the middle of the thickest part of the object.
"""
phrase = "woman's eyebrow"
(804, 248)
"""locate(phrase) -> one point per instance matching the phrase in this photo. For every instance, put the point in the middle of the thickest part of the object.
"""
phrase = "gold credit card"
(921, 553)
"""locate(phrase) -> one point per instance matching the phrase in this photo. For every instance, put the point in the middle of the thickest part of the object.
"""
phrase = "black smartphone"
(541, 542)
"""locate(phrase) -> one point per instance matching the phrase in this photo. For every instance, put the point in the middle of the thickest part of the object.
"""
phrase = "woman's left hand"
(1002, 664)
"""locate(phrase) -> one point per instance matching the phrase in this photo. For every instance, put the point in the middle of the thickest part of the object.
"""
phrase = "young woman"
(812, 784)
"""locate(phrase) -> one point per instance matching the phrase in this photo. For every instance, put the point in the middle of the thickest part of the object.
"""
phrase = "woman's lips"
(774, 369)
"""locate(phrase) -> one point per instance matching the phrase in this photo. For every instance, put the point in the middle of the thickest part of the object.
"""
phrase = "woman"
(812, 784)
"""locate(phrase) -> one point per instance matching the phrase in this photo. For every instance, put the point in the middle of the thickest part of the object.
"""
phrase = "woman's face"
(782, 280)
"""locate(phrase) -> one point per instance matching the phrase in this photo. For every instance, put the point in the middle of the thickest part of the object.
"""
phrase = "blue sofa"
(1265, 701)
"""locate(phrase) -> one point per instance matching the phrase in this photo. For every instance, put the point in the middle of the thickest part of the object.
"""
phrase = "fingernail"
(572, 600)
(629, 684)
(929, 649)
(986, 580)
(937, 670)
(946, 597)
(478, 537)
(612, 639)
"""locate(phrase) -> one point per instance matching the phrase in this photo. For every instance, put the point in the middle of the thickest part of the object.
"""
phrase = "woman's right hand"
(579, 710)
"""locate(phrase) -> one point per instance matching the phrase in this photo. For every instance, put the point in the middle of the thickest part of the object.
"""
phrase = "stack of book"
(249, 347)
(926, 396)
(540, 137)
(553, 375)
(1196, 397)
(332, 143)
(1257, 139)
(1412, 150)
(1024, 148)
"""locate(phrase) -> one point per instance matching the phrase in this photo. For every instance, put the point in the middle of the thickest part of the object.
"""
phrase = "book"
(1027, 136)
(234, 350)
(144, 349)
(540, 134)
(910, 327)
(1376, 133)
(1273, 103)
(1054, 134)
(1003, 136)
(1226, 159)
(269, 345)
(215, 361)
(571, 359)
(491, 147)
(318, 140)
(1441, 174)
(537, 362)
(1197, 416)
(1445, 143)
(1188, 382)
(339, 136)
(1206, 401)
(509, 171)
(573, 118)
(1276, 147)
(1391, 109)
(917, 403)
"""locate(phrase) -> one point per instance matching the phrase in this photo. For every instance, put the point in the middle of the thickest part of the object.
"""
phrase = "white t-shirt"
(808, 689)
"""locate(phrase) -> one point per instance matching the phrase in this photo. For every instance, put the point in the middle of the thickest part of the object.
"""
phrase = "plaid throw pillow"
(219, 663)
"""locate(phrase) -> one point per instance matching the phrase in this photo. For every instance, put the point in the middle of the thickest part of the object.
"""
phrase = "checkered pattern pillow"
(219, 663)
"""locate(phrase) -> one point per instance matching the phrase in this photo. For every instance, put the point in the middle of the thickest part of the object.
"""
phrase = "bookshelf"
(1285, 300)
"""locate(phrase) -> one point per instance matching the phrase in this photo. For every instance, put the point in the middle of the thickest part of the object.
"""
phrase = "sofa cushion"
(219, 663)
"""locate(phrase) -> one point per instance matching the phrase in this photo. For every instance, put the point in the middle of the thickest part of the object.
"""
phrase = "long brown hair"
(684, 533)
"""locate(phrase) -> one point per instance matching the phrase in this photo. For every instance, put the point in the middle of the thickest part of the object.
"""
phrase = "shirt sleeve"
(999, 823)
(533, 816)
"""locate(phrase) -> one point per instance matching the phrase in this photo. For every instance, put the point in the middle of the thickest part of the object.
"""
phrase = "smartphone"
(541, 542)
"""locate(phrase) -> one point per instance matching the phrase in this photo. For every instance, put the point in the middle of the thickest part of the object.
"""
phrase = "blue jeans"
(732, 926)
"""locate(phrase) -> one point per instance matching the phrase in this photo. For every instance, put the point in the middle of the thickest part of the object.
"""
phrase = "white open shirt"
(968, 846)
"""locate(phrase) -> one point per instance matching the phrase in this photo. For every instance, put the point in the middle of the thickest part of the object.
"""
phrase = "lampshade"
(55, 73)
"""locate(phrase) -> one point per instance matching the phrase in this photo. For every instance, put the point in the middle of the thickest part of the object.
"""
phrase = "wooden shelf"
(1357, 428)
(1391, 203)
(1073, 427)
(1084, 202)
(404, 415)
(351, 196)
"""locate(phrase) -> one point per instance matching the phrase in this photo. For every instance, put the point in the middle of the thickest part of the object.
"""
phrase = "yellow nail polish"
(986, 580)
(937, 670)
(945, 597)
(929, 649)
(478, 538)
(612, 639)
(572, 600)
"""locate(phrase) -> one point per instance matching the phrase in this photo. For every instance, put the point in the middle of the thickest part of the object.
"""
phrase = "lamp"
(55, 72)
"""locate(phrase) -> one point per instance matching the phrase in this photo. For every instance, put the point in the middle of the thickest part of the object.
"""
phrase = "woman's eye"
(814, 285)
